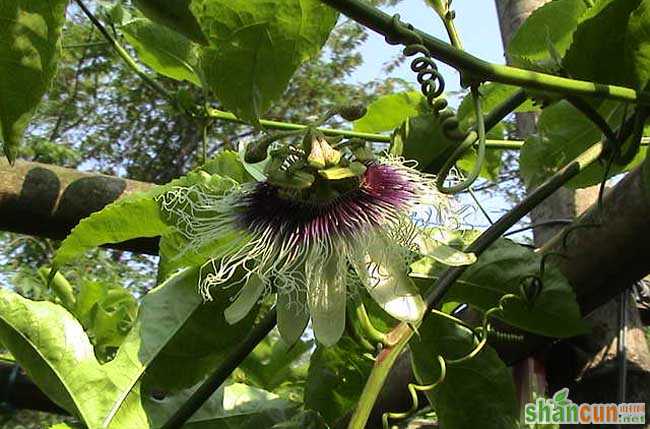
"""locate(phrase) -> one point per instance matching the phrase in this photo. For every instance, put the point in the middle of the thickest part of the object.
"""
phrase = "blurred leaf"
(256, 47)
(336, 378)
(174, 14)
(499, 271)
(29, 48)
(389, 111)
(602, 33)
(551, 24)
(164, 51)
(563, 134)
(466, 382)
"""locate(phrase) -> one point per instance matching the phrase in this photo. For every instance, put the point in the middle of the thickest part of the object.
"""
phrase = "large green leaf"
(336, 378)
(476, 393)
(599, 52)
(389, 111)
(500, 271)
(563, 134)
(54, 350)
(29, 52)
(544, 37)
(174, 14)
(256, 46)
(174, 327)
(163, 50)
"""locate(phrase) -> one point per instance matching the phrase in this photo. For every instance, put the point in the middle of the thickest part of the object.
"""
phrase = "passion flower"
(312, 245)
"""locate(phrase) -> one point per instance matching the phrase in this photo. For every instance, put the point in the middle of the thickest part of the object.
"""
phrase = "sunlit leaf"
(389, 111)
(53, 348)
(30, 38)
(256, 47)
(163, 50)
(550, 27)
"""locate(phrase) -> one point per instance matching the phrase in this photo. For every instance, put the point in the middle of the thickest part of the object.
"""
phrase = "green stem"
(399, 337)
(475, 68)
(219, 376)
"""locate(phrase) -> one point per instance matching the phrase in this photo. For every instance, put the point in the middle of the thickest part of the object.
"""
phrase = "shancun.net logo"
(560, 409)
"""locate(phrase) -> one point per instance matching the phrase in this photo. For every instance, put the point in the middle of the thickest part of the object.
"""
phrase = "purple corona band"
(382, 193)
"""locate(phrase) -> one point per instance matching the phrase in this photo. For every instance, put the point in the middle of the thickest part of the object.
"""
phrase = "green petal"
(327, 296)
(443, 253)
(292, 316)
(245, 301)
(397, 295)
(383, 271)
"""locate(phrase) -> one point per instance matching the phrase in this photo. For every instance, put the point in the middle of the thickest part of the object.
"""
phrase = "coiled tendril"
(432, 85)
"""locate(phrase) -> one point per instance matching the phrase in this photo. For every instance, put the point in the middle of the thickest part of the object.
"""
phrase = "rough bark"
(48, 201)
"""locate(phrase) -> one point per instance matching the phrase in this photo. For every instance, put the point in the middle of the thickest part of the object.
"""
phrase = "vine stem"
(398, 338)
(476, 69)
(219, 376)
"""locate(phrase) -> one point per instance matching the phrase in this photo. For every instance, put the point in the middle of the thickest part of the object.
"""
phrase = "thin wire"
(480, 206)
(549, 222)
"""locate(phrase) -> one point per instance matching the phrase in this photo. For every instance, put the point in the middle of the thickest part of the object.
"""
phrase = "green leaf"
(306, 419)
(637, 44)
(551, 24)
(163, 50)
(499, 271)
(174, 327)
(30, 44)
(122, 220)
(461, 400)
(336, 378)
(389, 111)
(174, 14)
(256, 47)
(563, 134)
(599, 52)
(492, 95)
(115, 223)
(54, 350)
(421, 139)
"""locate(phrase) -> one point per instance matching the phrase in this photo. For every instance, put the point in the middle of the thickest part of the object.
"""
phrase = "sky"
(476, 21)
